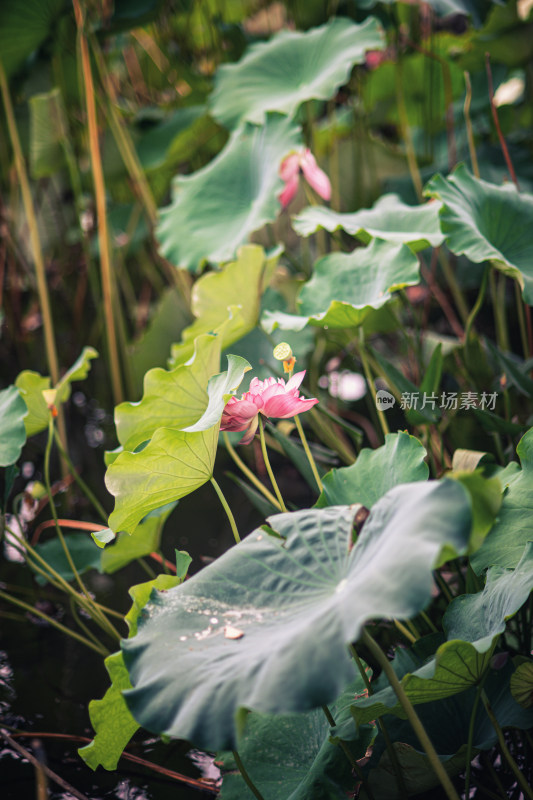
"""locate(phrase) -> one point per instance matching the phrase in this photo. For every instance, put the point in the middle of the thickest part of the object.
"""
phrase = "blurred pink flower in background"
(290, 173)
(271, 397)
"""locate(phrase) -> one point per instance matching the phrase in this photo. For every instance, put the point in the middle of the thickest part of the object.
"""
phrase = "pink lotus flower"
(272, 398)
(290, 173)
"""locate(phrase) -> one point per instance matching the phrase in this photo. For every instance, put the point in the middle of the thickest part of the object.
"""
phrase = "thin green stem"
(328, 715)
(79, 480)
(521, 320)
(349, 755)
(406, 132)
(248, 472)
(469, 130)
(452, 282)
(526, 788)
(370, 380)
(147, 568)
(308, 452)
(331, 437)
(494, 776)
(35, 242)
(246, 778)
(499, 321)
(475, 311)
(428, 622)
(470, 740)
(268, 467)
(406, 632)
(90, 635)
(443, 586)
(411, 715)
(227, 509)
(123, 139)
(55, 579)
(400, 781)
(27, 607)
(51, 501)
(97, 614)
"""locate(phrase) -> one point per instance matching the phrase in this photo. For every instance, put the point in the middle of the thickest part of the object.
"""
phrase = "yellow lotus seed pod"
(282, 351)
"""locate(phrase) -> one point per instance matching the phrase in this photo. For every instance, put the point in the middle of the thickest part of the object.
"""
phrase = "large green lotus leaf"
(83, 551)
(77, 372)
(514, 371)
(486, 498)
(265, 627)
(24, 27)
(473, 622)
(219, 390)
(418, 773)
(48, 131)
(171, 399)
(111, 719)
(234, 292)
(291, 68)
(168, 320)
(447, 721)
(486, 222)
(12, 431)
(291, 757)
(214, 211)
(146, 540)
(506, 541)
(411, 397)
(399, 460)
(172, 465)
(31, 386)
(154, 145)
(110, 716)
(345, 287)
(479, 617)
(389, 219)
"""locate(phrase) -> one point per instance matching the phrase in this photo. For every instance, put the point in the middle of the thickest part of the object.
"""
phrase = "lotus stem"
(400, 780)
(246, 778)
(370, 381)
(35, 241)
(349, 755)
(407, 633)
(469, 129)
(227, 509)
(97, 614)
(267, 465)
(411, 715)
(248, 472)
(308, 452)
(526, 788)
(470, 740)
(79, 480)
(51, 621)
